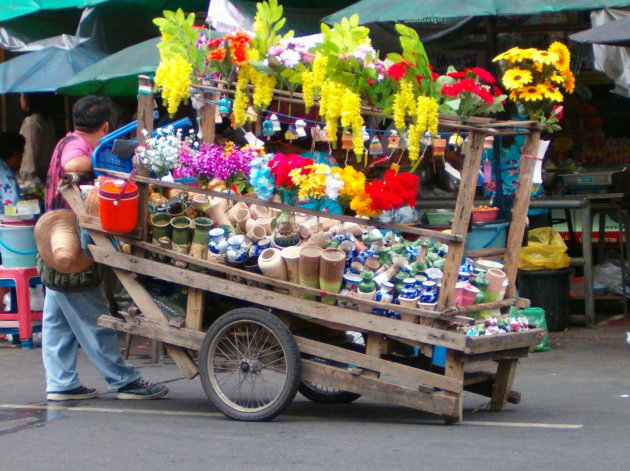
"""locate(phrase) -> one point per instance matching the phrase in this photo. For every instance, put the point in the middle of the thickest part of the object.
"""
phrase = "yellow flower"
(556, 78)
(514, 94)
(362, 205)
(563, 53)
(546, 57)
(319, 69)
(551, 92)
(404, 101)
(173, 76)
(569, 84)
(308, 81)
(516, 78)
(354, 181)
(530, 93)
(508, 55)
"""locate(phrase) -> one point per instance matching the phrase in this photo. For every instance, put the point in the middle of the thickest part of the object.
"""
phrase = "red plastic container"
(118, 210)
(484, 215)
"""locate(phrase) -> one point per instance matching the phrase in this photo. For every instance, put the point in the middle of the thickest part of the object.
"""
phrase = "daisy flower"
(516, 78)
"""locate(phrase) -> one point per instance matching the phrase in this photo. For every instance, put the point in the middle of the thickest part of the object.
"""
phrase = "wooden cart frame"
(379, 370)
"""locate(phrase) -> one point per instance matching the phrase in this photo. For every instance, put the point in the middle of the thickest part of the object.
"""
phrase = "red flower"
(217, 54)
(434, 75)
(497, 91)
(557, 112)
(370, 82)
(483, 74)
(485, 95)
(282, 164)
(215, 42)
(456, 75)
(397, 71)
(394, 191)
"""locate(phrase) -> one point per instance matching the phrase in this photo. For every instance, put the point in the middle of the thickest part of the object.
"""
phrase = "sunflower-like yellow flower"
(173, 76)
(551, 92)
(311, 185)
(557, 79)
(546, 57)
(531, 93)
(516, 78)
(510, 55)
(569, 80)
(563, 53)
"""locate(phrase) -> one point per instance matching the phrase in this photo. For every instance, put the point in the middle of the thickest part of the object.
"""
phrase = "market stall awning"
(615, 33)
(45, 70)
(373, 11)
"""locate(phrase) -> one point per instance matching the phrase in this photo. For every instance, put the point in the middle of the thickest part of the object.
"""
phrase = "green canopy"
(116, 75)
(373, 11)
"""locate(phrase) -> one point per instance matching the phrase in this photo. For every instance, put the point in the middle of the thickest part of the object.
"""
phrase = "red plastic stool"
(24, 315)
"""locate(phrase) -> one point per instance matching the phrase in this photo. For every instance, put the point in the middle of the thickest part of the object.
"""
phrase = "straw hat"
(58, 244)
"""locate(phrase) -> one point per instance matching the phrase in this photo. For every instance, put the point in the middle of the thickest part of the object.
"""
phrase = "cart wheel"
(322, 394)
(249, 365)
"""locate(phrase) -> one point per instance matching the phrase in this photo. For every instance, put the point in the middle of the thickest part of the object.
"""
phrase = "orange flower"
(217, 54)
(569, 78)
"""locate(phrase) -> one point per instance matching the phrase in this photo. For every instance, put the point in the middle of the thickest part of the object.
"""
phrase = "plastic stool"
(20, 278)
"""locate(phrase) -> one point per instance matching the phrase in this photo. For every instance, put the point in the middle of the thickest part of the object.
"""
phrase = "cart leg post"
(503, 384)
(455, 369)
(194, 309)
(374, 348)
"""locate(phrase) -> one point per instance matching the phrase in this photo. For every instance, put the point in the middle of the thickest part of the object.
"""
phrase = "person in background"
(38, 128)
(11, 151)
(69, 317)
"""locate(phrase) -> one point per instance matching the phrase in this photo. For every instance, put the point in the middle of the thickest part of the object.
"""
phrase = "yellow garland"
(241, 99)
(319, 69)
(404, 102)
(173, 76)
(263, 88)
(308, 82)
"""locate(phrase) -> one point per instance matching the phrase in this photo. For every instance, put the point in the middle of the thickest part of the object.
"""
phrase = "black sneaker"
(72, 395)
(141, 389)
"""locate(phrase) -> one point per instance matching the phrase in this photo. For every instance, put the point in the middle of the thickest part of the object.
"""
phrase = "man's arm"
(81, 164)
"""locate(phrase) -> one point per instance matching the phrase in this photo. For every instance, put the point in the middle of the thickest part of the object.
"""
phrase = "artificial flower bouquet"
(536, 80)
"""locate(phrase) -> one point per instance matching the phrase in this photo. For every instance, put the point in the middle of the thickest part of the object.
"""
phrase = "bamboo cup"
(291, 256)
(309, 268)
(331, 268)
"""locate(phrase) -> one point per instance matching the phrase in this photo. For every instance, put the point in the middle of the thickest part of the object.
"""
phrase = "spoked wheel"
(323, 394)
(250, 365)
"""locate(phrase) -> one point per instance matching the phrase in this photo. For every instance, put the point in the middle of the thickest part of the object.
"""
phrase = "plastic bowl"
(484, 215)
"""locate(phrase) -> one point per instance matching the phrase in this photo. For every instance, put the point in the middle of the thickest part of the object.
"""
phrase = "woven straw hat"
(58, 244)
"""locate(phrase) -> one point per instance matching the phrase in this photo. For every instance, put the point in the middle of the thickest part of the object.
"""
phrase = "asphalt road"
(574, 416)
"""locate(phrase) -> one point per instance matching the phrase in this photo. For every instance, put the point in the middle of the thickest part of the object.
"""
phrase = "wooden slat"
(519, 211)
(461, 218)
(138, 325)
(503, 384)
(94, 223)
(518, 302)
(521, 352)
(455, 369)
(436, 403)
(342, 355)
(374, 348)
(224, 269)
(436, 235)
(504, 341)
(486, 253)
(349, 318)
(194, 309)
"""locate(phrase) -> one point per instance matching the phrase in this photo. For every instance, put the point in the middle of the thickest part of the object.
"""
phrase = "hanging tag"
(300, 128)
(251, 113)
(395, 167)
(275, 122)
(365, 135)
(404, 142)
(252, 140)
(291, 134)
(393, 141)
(376, 147)
(488, 142)
(267, 128)
(346, 141)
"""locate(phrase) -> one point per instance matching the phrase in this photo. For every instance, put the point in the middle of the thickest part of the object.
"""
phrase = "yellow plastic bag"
(545, 251)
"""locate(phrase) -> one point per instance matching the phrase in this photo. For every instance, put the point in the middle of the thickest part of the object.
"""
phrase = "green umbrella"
(373, 11)
(116, 75)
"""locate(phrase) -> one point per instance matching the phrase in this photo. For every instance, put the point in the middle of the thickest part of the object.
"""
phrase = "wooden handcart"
(252, 359)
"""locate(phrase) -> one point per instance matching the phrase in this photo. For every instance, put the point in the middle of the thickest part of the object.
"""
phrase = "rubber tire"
(339, 397)
(292, 355)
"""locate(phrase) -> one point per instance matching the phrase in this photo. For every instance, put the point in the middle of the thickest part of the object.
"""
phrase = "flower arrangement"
(395, 190)
(260, 177)
(470, 92)
(536, 78)
(230, 164)
(161, 152)
(414, 105)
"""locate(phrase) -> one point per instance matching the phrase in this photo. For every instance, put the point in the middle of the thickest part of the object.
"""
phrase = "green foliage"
(268, 23)
(179, 37)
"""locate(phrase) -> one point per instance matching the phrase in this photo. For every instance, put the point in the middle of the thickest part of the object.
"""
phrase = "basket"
(440, 218)
(103, 157)
(484, 215)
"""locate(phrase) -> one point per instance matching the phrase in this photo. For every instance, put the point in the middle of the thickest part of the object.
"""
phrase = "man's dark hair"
(90, 112)
(11, 142)
(41, 103)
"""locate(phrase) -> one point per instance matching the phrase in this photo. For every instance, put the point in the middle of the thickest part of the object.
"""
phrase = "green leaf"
(453, 104)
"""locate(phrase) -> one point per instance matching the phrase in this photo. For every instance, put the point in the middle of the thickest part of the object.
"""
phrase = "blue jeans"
(69, 319)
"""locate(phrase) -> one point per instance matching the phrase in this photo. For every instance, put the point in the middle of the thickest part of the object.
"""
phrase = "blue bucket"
(17, 244)
(487, 236)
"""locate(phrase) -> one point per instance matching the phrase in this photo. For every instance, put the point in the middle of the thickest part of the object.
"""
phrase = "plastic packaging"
(545, 250)
(535, 315)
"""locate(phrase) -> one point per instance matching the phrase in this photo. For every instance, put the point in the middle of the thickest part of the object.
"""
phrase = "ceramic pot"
(251, 265)
(291, 257)
(272, 264)
(218, 243)
(309, 268)
(320, 239)
(386, 275)
(236, 252)
(495, 279)
(231, 213)
(258, 211)
(266, 224)
(368, 296)
(180, 227)
(350, 288)
(161, 233)
(367, 284)
(469, 295)
(240, 218)
(429, 293)
(331, 266)
(259, 247)
(200, 202)
(353, 228)
(216, 211)
(372, 264)
(410, 303)
(200, 239)
(256, 233)
(409, 290)
(427, 306)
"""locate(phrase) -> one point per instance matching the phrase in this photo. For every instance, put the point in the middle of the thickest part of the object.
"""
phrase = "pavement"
(573, 416)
